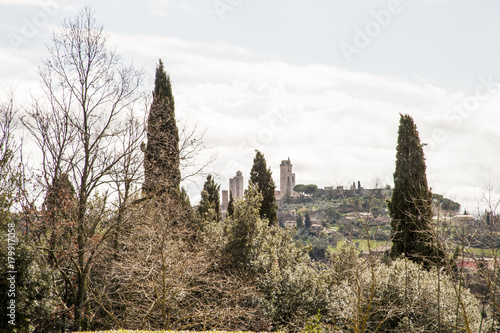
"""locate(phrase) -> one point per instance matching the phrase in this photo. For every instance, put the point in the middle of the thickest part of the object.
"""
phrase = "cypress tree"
(410, 207)
(187, 209)
(300, 221)
(161, 160)
(210, 198)
(59, 209)
(60, 196)
(307, 221)
(262, 177)
(230, 204)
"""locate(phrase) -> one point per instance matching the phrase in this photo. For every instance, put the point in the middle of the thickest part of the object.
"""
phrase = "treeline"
(106, 238)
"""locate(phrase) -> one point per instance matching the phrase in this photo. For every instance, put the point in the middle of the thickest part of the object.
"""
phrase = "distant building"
(287, 178)
(236, 185)
(225, 199)
(467, 263)
(478, 263)
(462, 218)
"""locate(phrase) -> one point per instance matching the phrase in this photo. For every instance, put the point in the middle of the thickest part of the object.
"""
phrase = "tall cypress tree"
(262, 177)
(230, 204)
(410, 207)
(187, 209)
(161, 160)
(307, 221)
(210, 198)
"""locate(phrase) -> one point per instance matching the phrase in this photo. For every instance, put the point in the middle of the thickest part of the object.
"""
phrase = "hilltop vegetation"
(340, 216)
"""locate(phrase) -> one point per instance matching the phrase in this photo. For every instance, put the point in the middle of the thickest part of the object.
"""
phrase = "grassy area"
(480, 252)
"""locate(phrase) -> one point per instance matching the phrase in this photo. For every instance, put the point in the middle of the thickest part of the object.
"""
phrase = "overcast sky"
(320, 81)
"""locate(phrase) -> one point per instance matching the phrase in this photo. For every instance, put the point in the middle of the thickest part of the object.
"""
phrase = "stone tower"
(236, 185)
(225, 199)
(287, 178)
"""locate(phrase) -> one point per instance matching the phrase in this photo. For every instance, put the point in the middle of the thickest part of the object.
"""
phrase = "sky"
(322, 82)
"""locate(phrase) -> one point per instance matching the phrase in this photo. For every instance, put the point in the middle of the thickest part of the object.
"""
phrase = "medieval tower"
(225, 199)
(236, 185)
(287, 178)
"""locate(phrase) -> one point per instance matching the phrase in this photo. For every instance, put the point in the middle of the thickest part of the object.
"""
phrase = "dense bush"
(350, 293)
(398, 297)
(33, 288)
(292, 288)
(160, 274)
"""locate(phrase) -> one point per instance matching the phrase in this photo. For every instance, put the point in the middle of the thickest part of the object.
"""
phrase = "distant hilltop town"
(287, 185)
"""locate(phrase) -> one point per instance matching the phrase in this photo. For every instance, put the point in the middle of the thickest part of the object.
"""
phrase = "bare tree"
(491, 270)
(191, 147)
(81, 129)
(8, 149)
(163, 277)
(128, 173)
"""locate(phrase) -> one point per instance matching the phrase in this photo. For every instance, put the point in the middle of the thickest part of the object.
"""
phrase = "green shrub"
(401, 297)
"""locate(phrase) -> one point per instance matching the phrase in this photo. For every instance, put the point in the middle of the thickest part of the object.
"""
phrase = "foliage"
(243, 229)
(293, 290)
(161, 158)
(332, 214)
(311, 189)
(375, 212)
(9, 175)
(210, 199)
(314, 325)
(163, 276)
(299, 188)
(230, 204)
(145, 263)
(307, 221)
(354, 292)
(24, 281)
(401, 297)
(186, 208)
(36, 302)
(87, 132)
(261, 176)
(445, 203)
(307, 189)
(410, 206)
(300, 221)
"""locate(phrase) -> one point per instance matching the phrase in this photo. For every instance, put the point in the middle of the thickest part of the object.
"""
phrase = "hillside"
(336, 216)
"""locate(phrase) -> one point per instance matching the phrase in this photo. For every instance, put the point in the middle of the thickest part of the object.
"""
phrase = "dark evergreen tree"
(59, 210)
(161, 160)
(410, 207)
(262, 177)
(205, 210)
(307, 221)
(210, 199)
(300, 221)
(60, 198)
(230, 204)
(36, 288)
(28, 287)
(187, 209)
